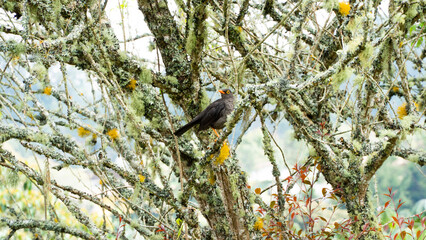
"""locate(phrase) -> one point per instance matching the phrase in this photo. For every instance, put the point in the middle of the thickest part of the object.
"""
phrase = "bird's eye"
(227, 92)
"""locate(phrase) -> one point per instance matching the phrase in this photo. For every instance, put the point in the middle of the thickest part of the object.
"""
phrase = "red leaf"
(387, 204)
(403, 234)
(324, 191)
(308, 201)
(423, 222)
(395, 219)
(322, 218)
(411, 224)
(396, 235)
(418, 234)
(336, 225)
(400, 205)
(390, 189)
(292, 215)
(307, 182)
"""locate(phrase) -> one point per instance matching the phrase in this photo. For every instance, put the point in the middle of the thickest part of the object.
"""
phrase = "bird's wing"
(211, 114)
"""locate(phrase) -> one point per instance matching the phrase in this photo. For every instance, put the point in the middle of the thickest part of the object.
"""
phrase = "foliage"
(87, 116)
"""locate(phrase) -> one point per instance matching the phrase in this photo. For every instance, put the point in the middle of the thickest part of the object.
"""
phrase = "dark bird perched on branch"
(213, 116)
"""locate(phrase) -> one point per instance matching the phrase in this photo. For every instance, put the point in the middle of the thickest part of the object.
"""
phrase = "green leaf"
(179, 222)
(419, 42)
(412, 28)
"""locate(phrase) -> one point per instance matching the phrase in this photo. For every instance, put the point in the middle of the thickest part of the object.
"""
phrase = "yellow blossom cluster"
(223, 155)
(402, 110)
(82, 132)
(141, 178)
(258, 225)
(344, 8)
(47, 90)
(113, 134)
(132, 84)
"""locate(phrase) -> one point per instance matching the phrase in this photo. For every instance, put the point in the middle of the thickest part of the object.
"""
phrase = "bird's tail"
(185, 128)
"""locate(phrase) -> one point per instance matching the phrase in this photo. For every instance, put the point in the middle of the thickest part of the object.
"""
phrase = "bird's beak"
(221, 91)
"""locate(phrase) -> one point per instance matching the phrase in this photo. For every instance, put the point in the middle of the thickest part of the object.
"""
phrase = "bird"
(213, 116)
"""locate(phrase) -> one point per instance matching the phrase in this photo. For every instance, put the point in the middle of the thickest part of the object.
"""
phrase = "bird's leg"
(215, 132)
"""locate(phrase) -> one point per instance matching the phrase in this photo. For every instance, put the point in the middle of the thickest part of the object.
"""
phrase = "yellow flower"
(344, 8)
(258, 225)
(47, 90)
(132, 84)
(223, 155)
(113, 134)
(402, 110)
(30, 115)
(395, 89)
(15, 60)
(83, 132)
(141, 178)
(100, 182)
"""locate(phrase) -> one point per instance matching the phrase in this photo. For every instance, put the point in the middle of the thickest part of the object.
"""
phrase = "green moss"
(16, 49)
(137, 103)
(387, 133)
(331, 4)
(366, 56)
(204, 100)
(412, 11)
(340, 77)
(191, 39)
(414, 158)
(353, 45)
(56, 6)
(357, 145)
(235, 32)
(9, 5)
(296, 109)
(40, 71)
(171, 80)
(40, 138)
(387, 56)
(122, 55)
(358, 80)
(354, 25)
(399, 18)
(312, 151)
(408, 120)
(146, 76)
(190, 42)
